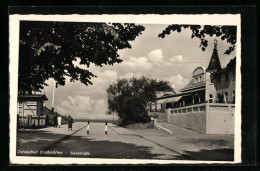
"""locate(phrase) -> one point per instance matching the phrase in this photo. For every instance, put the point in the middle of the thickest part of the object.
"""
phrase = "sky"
(172, 59)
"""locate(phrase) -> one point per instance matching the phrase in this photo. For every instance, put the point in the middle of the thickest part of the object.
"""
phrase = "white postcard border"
(205, 19)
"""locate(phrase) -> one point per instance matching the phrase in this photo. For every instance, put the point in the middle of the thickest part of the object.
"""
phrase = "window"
(200, 79)
(226, 76)
(211, 78)
(220, 98)
(210, 98)
(196, 79)
(219, 79)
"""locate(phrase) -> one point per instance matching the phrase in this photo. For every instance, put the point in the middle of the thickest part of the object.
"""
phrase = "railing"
(189, 109)
(196, 108)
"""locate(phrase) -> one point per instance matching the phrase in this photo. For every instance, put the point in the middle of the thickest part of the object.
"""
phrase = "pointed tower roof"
(214, 63)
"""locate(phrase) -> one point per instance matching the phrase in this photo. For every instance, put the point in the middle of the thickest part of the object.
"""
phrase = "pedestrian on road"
(70, 123)
(59, 121)
(55, 121)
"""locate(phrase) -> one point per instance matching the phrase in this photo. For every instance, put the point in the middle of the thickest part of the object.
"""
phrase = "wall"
(209, 118)
(39, 107)
(192, 117)
(210, 88)
(33, 108)
(28, 108)
(225, 85)
(220, 118)
(153, 106)
(158, 106)
(231, 87)
(162, 117)
(30, 121)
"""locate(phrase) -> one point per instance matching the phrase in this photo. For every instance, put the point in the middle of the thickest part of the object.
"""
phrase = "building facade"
(206, 103)
(29, 110)
(224, 82)
(159, 105)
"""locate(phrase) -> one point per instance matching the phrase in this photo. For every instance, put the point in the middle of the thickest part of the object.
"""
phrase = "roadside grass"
(135, 125)
(140, 125)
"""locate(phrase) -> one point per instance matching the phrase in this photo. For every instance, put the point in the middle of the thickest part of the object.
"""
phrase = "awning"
(173, 99)
(161, 101)
(169, 100)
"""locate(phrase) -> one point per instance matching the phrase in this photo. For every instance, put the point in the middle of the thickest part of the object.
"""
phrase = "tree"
(228, 33)
(50, 49)
(129, 98)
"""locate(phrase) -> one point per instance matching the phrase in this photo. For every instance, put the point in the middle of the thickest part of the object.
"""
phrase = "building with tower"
(207, 103)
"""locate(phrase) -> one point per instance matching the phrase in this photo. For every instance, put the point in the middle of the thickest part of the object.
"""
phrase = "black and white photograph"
(125, 89)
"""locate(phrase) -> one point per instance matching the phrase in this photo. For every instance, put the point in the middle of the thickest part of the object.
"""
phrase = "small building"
(29, 110)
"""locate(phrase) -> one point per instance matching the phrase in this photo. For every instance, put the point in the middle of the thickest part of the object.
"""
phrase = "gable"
(199, 70)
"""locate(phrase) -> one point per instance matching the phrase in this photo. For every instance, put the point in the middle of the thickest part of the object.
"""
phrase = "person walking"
(55, 121)
(59, 121)
(70, 123)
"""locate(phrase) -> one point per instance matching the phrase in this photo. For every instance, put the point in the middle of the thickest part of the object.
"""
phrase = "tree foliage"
(228, 33)
(50, 49)
(129, 98)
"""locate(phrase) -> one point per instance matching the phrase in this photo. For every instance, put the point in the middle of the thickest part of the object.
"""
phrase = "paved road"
(113, 145)
(197, 146)
(125, 143)
(36, 139)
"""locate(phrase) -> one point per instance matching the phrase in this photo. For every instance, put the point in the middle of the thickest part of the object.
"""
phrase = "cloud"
(177, 81)
(155, 55)
(130, 75)
(137, 62)
(108, 74)
(80, 100)
(178, 58)
(98, 89)
(83, 107)
(103, 78)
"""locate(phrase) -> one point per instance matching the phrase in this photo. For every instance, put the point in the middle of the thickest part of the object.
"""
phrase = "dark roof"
(192, 85)
(231, 65)
(214, 64)
(32, 96)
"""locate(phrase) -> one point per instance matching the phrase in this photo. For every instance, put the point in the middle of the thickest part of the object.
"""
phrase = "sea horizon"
(95, 120)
